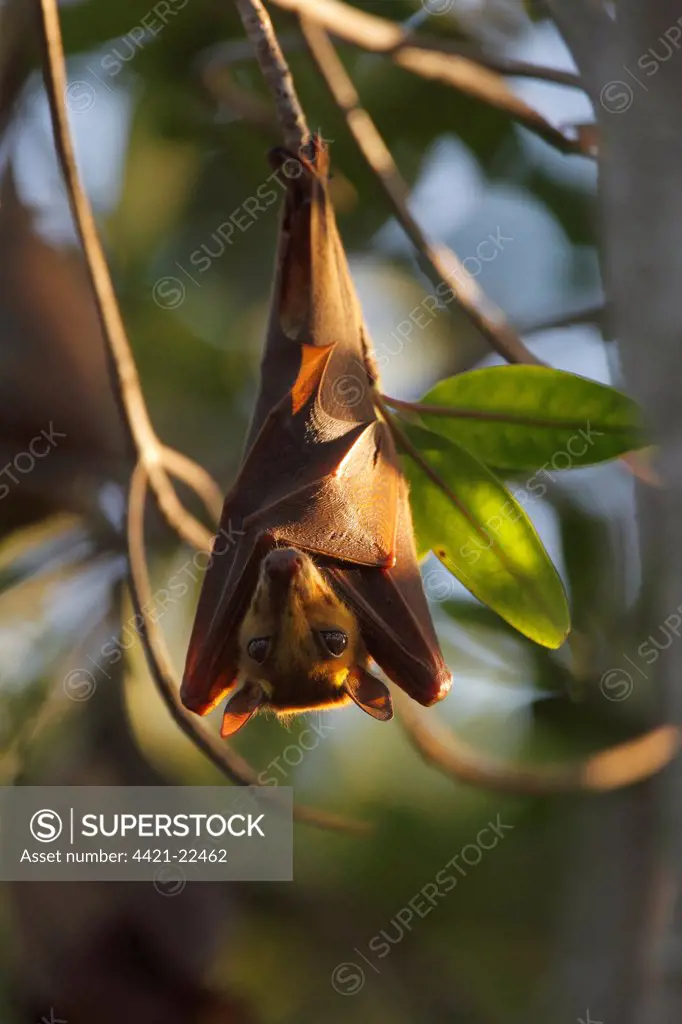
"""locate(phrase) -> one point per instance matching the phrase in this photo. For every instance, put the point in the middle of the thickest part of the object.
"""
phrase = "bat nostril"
(283, 564)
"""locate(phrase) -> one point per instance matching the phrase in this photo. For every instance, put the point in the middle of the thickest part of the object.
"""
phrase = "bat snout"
(283, 564)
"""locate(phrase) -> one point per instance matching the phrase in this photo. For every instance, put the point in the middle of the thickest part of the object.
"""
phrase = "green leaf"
(532, 417)
(482, 535)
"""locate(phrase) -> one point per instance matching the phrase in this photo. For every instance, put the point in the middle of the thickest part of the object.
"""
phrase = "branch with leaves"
(525, 590)
(436, 60)
(531, 596)
(440, 262)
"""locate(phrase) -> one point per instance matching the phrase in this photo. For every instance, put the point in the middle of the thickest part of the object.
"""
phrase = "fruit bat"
(323, 578)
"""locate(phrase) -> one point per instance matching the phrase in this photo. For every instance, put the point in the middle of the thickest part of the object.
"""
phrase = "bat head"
(300, 647)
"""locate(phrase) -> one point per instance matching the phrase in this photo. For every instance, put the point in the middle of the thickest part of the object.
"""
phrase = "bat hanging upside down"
(324, 578)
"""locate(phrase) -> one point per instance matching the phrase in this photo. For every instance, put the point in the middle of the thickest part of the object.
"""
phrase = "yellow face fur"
(298, 640)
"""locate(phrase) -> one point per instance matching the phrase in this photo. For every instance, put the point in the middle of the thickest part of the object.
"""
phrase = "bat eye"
(258, 648)
(335, 641)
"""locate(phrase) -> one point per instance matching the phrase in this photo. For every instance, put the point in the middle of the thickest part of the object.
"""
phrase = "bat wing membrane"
(280, 499)
(395, 619)
(320, 473)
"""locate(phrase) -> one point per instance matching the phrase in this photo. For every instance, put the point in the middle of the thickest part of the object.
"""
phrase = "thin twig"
(218, 752)
(240, 51)
(431, 61)
(485, 316)
(504, 65)
(487, 87)
(489, 416)
(619, 766)
(405, 444)
(225, 55)
(196, 477)
(141, 437)
(258, 26)
(379, 35)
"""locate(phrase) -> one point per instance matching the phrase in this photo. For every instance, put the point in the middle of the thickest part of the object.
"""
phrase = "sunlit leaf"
(482, 535)
(528, 417)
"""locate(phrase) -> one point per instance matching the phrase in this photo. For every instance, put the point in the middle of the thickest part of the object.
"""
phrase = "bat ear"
(240, 708)
(369, 693)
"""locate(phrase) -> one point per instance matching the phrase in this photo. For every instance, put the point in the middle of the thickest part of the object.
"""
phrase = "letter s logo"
(46, 826)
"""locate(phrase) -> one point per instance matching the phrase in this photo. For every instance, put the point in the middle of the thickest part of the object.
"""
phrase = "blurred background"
(172, 125)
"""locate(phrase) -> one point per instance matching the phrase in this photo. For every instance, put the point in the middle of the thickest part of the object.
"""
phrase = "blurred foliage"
(188, 125)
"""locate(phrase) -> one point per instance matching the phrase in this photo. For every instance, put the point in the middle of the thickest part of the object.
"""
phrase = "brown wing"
(231, 576)
(291, 490)
(394, 615)
(320, 471)
(313, 304)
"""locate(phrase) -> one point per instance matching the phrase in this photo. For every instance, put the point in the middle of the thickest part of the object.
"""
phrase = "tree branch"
(235, 51)
(258, 26)
(485, 316)
(640, 153)
(196, 477)
(141, 437)
(431, 61)
(504, 65)
(619, 766)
